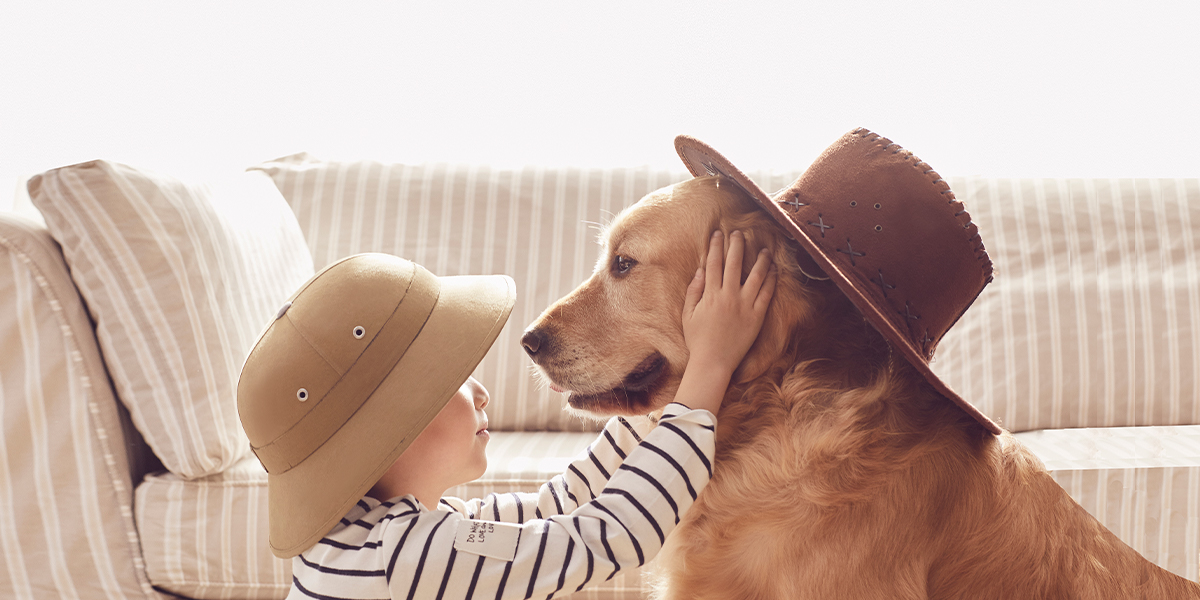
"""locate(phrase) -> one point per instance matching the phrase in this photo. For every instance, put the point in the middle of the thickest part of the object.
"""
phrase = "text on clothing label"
(487, 538)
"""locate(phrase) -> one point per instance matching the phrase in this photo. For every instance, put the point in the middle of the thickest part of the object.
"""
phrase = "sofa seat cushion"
(1143, 483)
(207, 537)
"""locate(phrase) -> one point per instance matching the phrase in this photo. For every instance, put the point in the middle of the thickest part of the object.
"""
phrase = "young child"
(358, 401)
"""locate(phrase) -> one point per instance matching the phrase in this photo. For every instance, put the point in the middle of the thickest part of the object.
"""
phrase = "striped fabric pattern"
(179, 279)
(1143, 483)
(611, 509)
(207, 538)
(1093, 319)
(66, 526)
(536, 224)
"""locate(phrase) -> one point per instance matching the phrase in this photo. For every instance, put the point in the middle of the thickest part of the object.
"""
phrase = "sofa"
(130, 299)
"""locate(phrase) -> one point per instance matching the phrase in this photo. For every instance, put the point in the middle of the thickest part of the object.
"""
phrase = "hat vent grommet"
(302, 394)
(359, 332)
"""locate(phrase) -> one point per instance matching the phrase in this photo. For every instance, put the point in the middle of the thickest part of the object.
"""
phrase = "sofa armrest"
(68, 455)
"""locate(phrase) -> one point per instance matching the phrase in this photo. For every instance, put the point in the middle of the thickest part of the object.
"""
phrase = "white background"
(1014, 88)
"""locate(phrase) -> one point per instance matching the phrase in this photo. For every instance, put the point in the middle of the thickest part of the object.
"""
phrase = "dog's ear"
(790, 305)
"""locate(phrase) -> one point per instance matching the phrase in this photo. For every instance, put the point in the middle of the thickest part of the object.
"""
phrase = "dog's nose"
(533, 340)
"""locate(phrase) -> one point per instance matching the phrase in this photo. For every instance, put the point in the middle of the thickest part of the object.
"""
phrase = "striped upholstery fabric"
(1143, 483)
(66, 526)
(179, 280)
(206, 538)
(538, 225)
(1093, 319)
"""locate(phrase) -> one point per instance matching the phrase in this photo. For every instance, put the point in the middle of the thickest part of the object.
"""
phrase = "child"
(358, 401)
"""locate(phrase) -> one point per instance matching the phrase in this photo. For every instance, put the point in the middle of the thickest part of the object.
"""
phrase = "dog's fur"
(840, 473)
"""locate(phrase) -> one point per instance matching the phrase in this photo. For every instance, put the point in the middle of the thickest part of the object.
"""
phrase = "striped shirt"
(612, 509)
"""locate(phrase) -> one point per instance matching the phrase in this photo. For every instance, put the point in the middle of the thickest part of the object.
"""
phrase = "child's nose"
(481, 396)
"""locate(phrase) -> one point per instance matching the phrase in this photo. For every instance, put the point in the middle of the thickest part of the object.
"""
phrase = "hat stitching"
(851, 252)
(315, 347)
(821, 224)
(908, 312)
(794, 202)
(925, 340)
(883, 286)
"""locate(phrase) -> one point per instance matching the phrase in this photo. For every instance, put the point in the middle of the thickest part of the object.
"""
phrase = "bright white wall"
(1032, 88)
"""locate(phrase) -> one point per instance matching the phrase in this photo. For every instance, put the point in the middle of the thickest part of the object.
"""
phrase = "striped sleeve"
(583, 480)
(623, 526)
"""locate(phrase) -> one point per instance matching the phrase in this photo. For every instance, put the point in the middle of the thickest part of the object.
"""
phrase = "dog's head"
(616, 342)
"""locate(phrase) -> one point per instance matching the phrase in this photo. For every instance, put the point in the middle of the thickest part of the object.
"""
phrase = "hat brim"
(701, 159)
(308, 500)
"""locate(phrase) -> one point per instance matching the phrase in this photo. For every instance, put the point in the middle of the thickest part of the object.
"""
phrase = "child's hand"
(721, 316)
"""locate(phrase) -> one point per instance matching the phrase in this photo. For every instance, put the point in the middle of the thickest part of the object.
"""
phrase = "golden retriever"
(840, 473)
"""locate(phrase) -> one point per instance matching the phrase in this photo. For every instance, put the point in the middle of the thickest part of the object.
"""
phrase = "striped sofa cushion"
(179, 280)
(538, 225)
(1093, 319)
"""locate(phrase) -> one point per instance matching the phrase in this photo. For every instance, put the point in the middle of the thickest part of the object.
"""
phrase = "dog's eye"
(622, 265)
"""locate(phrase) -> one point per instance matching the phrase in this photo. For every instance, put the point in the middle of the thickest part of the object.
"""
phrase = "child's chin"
(480, 470)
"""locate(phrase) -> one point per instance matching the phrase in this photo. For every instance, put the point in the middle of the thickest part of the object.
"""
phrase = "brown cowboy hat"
(885, 227)
(350, 371)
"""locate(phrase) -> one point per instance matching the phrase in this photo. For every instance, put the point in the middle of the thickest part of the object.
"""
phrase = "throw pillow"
(179, 280)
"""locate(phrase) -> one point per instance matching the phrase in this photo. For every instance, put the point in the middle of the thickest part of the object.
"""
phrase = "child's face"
(456, 439)
(449, 452)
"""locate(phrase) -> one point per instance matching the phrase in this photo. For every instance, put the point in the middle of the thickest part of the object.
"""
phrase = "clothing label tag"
(487, 538)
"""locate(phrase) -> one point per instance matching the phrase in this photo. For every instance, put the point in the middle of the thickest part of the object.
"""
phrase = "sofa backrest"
(1094, 316)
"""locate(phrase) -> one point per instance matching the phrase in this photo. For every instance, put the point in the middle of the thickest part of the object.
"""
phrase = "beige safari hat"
(350, 371)
(885, 227)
